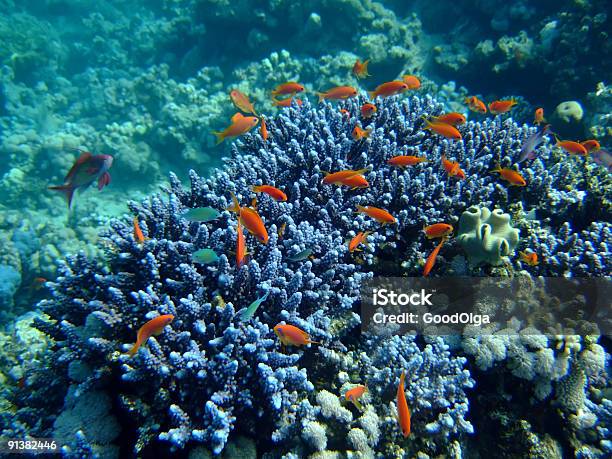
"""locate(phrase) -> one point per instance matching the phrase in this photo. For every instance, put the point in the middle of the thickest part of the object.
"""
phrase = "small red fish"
(368, 110)
(336, 178)
(360, 238)
(152, 327)
(291, 87)
(38, 283)
(403, 413)
(438, 230)
(475, 104)
(443, 129)
(412, 81)
(406, 160)
(591, 145)
(345, 113)
(431, 259)
(263, 129)
(251, 220)
(273, 192)
(380, 215)
(390, 88)
(452, 168)
(242, 102)
(355, 181)
(241, 247)
(359, 133)
(290, 334)
(338, 93)
(511, 176)
(360, 69)
(138, 236)
(353, 395)
(240, 125)
(571, 147)
(538, 116)
(286, 102)
(452, 118)
(498, 107)
(530, 258)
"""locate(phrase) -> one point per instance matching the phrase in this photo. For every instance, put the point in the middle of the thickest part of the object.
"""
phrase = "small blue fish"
(533, 142)
(204, 256)
(201, 214)
(248, 313)
(303, 255)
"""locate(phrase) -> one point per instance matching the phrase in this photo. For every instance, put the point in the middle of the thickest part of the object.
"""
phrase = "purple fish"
(603, 158)
(528, 149)
(86, 169)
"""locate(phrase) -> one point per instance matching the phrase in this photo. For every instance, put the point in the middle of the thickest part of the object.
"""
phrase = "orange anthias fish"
(412, 81)
(498, 107)
(571, 147)
(452, 168)
(241, 248)
(240, 125)
(138, 236)
(403, 413)
(438, 230)
(359, 133)
(242, 102)
(368, 110)
(452, 118)
(289, 334)
(511, 176)
(251, 220)
(431, 259)
(273, 192)
(263, 129)
(360, 238)
(286, 102)
(530, 258)
(443, 129)
(360, 69)
(345, 112)
(380, 215)
(475, 104)
(153, 327)
(538, 116)
(406, 160)
(338, 93)
(353, 395)
(591, 145)
(354, 182)
(291, 87)
(336, 178)
(390, 88)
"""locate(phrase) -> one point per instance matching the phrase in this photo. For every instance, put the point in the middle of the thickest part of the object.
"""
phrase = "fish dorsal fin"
(85, 156)
(237, 116)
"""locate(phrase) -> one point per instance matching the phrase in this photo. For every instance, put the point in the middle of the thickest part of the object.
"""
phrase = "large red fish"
(87, 169)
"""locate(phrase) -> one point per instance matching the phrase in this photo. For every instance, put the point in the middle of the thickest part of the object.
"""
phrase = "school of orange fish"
(444, 125)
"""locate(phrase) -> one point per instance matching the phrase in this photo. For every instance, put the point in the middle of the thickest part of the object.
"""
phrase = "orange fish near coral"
(354, 182)
(511, 176)
(530, 258)
(241, 248)
(359, 133)
(452, 118)
(273, 192)
(412, 81)
(345, 112)
(591, 145)
(250, 219)
(338, 93)
(138, 236)
(380, 215)
(443, 129)
(403, 413)
(571, 147)
(475, 104)
(263, 129)
(497, 107)
(153, 327)
(360, 69)
(240, 125)
(353, 395)
(368, 110)
(390, 88)
(360, 238)
(291, 87)
(538, 116)
(452, 168)
(438, 230)
(431, 259)
(406, 160)
(286, 102)
(289, 334)
(242, 102)
(337, 178)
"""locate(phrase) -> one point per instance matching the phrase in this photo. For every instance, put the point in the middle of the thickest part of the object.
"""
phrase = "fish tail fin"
(402, 377)
(357, 404)
(132, 352)
(235, 207)
(359, 209)
(67, 190)
(255, 189)
(320, 95)
(314, 342)
(496, 169)
(219, 135)
(372, 94)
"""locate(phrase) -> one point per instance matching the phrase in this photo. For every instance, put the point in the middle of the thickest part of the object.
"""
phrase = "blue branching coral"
(208, 373)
